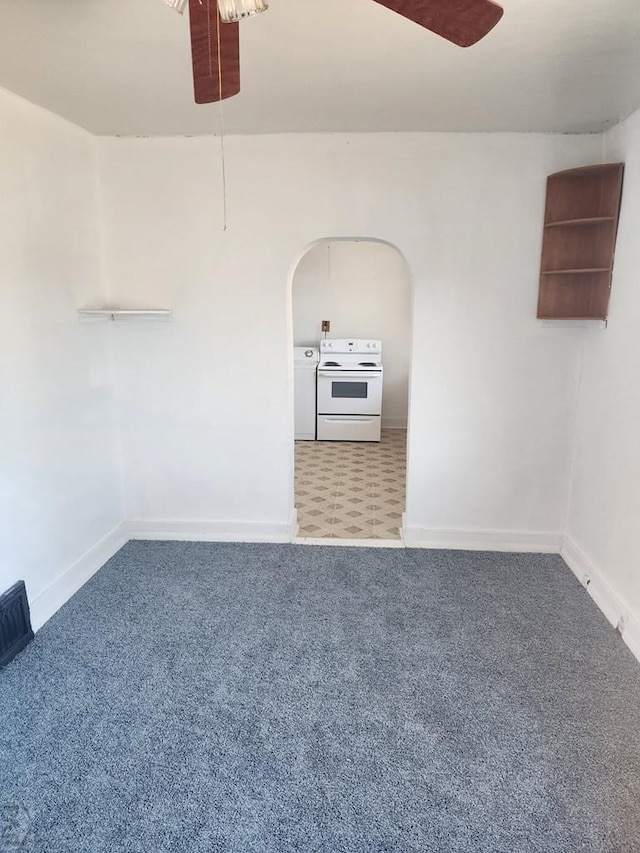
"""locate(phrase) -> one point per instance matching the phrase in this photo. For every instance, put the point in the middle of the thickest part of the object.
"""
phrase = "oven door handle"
(348, 419)
(346, 374)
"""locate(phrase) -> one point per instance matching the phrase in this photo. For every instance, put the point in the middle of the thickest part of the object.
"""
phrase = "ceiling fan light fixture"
(178, 5)
(235, 10)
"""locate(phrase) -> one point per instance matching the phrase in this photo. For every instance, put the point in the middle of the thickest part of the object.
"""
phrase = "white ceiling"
(122, 67)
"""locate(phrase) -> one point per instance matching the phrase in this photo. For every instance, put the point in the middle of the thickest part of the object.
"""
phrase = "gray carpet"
(262, 698)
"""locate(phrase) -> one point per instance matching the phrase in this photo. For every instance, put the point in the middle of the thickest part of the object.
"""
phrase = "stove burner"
(367, 364)
(331, 364)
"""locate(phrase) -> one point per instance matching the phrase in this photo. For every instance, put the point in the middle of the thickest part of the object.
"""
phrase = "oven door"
(349, 392)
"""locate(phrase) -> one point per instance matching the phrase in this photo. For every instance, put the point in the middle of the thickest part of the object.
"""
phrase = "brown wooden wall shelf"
(580, 227)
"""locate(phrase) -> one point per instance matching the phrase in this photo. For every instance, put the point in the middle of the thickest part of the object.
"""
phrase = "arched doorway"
(345, 488)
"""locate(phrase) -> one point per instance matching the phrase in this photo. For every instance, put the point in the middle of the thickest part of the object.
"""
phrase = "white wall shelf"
(114, 314)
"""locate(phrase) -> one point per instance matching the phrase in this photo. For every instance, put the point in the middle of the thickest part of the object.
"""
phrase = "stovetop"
(347, 364)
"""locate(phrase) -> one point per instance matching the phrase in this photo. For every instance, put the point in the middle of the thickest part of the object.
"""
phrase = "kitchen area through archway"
(352, 348)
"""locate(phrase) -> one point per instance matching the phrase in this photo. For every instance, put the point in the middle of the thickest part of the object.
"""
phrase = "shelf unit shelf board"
(581, 319)
(588, 270)
(134, 313)
(588, 171)
(582, 221)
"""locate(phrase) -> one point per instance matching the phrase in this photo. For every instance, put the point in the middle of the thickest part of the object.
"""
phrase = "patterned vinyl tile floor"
(350, 489)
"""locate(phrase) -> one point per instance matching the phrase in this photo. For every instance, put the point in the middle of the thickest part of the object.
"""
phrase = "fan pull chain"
(222, 159)
(178, 3)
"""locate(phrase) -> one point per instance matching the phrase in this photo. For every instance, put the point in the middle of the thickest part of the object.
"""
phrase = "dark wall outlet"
(326, 326)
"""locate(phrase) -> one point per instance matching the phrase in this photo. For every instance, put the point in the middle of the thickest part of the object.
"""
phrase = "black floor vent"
(15, 623)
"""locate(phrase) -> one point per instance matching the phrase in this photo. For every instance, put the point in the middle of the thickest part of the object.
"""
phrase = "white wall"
(59, 476)
(363, 288)
(604, 516)
(204, 404)
(207, 401)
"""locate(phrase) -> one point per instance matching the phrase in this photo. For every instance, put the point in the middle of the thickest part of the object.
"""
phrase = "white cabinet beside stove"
(305, 363)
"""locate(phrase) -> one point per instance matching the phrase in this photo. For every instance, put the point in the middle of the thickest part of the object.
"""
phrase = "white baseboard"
(51, 599)
(631, 636)
(210, 531)
(482, 540)
(47, 602)
(394, 423)
(606, 598)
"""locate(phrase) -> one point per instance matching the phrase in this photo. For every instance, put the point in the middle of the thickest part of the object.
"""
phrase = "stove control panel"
(352, 345)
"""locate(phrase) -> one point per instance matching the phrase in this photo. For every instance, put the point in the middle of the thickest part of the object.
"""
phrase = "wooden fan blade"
(463, 22)
(206, 28)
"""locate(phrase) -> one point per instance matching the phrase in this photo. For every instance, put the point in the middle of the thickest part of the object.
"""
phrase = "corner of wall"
(606, 598)
(51, 599)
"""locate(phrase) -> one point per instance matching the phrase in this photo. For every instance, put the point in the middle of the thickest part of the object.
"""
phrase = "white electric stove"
(349, 390)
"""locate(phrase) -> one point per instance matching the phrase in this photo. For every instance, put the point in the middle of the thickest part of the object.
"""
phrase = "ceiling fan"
(215, 37)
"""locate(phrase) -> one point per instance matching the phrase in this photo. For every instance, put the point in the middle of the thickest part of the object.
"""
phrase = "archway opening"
(351, 420)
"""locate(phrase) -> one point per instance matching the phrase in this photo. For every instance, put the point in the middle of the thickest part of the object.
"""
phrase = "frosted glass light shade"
(234, 10)
(178, 5)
